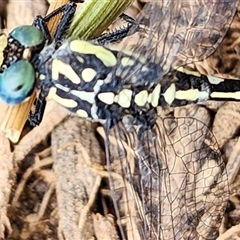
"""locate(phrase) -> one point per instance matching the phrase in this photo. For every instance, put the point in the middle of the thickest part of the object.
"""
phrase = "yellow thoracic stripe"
(59, 67)
(68, 103)
(106, 56)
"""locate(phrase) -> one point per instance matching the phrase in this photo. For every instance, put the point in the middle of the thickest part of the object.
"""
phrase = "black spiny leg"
(41, 24)
(67, 12)
(118, 34)
(35, 118)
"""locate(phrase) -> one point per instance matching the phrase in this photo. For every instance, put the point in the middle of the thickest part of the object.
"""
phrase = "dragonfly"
(174, 181)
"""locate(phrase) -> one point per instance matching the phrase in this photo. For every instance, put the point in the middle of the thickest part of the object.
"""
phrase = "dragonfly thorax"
(98, 83)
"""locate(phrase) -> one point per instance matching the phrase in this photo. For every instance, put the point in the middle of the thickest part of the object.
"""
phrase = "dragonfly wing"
(181, 32)
(197, 187)
(173, 180)
(120, 161)
(224, 61)
(208, 23)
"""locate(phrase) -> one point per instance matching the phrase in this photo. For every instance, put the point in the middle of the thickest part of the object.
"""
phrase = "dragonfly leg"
(42, 26)
(120, 33)
(36, 116)
(67, 12)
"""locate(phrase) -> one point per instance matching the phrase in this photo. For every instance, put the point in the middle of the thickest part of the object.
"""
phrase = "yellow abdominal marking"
(215, 80)
(60, 67)
(231, 95)
(106, 56)
(124, 98)
(191, 95)
(69, 103)
(155, 95)
(107, 97)
(141, 98)
(169, 95)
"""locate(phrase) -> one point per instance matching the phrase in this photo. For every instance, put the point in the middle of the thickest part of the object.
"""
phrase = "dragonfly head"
(17, 82)
(17, 74)
(28, 36)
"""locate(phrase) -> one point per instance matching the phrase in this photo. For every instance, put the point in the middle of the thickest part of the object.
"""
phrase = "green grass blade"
(94, 16)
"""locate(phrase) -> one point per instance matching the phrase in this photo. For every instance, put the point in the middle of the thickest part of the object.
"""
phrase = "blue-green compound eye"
(17, 82)
(28, 35)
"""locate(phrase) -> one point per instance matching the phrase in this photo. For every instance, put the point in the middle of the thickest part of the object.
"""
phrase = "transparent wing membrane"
(181, 32)
(173, 183)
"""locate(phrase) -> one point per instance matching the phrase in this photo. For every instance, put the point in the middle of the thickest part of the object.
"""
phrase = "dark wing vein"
(180, 32)
(173, 180)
